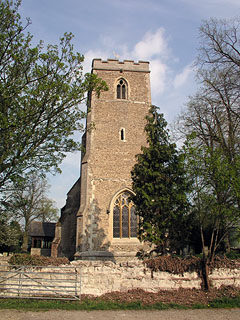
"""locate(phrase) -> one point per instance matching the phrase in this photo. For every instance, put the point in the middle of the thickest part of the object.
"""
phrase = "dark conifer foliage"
(160, 188)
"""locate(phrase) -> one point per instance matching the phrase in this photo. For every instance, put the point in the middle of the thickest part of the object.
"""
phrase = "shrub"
(233, 255)
(31, 260)
(173, 264)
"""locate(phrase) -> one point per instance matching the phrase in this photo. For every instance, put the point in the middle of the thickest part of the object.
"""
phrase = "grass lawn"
(97, 304)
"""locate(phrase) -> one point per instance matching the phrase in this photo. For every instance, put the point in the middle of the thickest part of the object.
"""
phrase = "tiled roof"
(42, 229)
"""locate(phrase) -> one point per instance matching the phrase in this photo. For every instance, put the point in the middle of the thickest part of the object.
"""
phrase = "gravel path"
(213, 314)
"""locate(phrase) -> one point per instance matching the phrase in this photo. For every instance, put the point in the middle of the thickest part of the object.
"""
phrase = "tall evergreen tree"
(160, 188)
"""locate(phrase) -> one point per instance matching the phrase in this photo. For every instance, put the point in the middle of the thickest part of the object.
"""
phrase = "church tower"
(106, 224)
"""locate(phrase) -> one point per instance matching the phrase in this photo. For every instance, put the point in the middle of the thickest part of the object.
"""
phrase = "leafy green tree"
(28, 202)
(213, 195)
(214, 207)
(160, 189)
(10, 234)
(211, 128)
(40, 93)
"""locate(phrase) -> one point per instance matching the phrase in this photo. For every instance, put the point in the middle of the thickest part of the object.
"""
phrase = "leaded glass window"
(116, 224)
(124, 217)
(122, 89)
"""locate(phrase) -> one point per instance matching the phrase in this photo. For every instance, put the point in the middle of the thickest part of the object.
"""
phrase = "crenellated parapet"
(125, 65)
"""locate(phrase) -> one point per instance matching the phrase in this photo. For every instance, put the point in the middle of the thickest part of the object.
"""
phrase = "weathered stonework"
(99, 277)
(114, 135)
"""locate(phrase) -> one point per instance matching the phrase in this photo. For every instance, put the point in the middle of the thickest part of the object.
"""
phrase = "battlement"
(116, 65)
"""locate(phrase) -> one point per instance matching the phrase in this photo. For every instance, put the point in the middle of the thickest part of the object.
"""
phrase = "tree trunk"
(205, 263)
(25, 242)
(205, 274)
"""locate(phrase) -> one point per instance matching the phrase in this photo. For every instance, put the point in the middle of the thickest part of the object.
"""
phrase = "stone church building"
(98, 221)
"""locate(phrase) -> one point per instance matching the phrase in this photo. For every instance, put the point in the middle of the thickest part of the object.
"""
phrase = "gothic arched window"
(124, 217)
(122, 89)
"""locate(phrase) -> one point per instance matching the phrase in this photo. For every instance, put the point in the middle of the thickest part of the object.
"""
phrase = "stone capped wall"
(100, 277)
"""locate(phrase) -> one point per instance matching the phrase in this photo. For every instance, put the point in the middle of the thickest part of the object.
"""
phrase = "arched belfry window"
(121, 89)
(124, 217)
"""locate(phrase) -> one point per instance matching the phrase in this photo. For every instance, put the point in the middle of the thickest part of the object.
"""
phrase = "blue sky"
(164, 32)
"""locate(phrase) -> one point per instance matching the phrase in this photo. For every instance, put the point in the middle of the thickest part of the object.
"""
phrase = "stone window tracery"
(122, 89)
(124, 217)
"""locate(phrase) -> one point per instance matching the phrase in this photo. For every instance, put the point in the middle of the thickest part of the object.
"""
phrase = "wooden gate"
(40, 282)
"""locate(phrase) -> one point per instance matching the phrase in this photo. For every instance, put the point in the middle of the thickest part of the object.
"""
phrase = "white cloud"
(152, 44)
(153, 48)
(90, 55)
(181, 78)
(158, 76)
